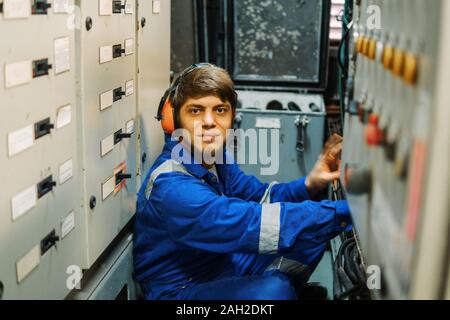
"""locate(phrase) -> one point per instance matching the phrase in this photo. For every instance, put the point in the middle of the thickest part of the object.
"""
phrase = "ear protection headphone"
(166, 112)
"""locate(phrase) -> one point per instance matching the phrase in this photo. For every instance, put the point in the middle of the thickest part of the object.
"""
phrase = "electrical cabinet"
(153, 77)
(80, 84)
(392, 119)
(40, 217)
(107, 71)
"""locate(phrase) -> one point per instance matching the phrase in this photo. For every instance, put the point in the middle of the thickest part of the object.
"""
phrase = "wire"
(350, 272)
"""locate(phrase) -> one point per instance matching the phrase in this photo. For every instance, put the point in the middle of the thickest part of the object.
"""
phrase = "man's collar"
(183, 155)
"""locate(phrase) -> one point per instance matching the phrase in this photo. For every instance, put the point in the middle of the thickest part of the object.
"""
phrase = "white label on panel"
(27, 264)
(20, 140)
(106, 100)
(65, 171)
(108, 187)
(18, 73)
(156, 6)
(268, 123)
(105, 7)
(16, 9)
(130, 126)
(107, 145)
(106, 54)
(67, 224)
(64, 116)
(129, 88)
(23, 202)
(61, 6)
(129, 43)
(62, 55)
(128, 7)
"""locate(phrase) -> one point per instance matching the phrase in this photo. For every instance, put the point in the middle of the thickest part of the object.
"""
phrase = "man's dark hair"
(205, 80)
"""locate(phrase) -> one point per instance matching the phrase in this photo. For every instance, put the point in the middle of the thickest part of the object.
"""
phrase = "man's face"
(206, 120)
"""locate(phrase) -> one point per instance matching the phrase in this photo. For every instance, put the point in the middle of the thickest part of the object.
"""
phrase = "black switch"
(45, 186)
(48, 242)
(117, 6)
(118, 94)
(118, 51)
(40, 7)
(42, 128)
(119, 136)
(41, 67)
(120, 176)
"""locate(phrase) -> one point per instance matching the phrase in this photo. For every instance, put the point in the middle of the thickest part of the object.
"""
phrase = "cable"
(350, 272)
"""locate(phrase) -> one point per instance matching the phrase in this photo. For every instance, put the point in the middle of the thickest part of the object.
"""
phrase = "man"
(205, 230)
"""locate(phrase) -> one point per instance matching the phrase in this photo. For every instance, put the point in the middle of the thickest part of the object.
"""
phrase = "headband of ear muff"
(166, 112)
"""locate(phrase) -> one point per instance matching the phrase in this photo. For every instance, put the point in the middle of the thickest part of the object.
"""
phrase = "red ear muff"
(167, 121)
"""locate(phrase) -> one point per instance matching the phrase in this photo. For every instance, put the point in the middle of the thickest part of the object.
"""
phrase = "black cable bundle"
(350, 272)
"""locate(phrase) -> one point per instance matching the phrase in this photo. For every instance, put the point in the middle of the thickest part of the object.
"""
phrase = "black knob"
(124, 136)
(50, 184)
(48, 126)
(92, 202)
(144, 157)
(143, 22)
(88, 23)
(122, 176)
(359, 181)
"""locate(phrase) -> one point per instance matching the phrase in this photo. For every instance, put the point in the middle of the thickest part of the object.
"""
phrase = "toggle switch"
(118, 51)
(41, 67)
(45, 186)
(118, 94)
(410, 69)
(122, 176)
(40, 7)
(389, 147)
(353, 108)
(363, 113)
(119, 136)
(401, 165)
(48, 242)
(398, 62)
(118, 6)
(42, 128)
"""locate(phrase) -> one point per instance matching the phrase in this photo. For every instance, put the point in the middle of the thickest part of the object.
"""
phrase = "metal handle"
(301, 124)
(237, 125)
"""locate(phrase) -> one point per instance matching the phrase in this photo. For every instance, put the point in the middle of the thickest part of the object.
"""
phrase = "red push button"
(373, 133)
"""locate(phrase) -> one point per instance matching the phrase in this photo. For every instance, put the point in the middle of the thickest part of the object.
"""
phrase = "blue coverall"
(199, 237)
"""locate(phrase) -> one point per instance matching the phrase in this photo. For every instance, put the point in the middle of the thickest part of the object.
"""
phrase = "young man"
(205, 230)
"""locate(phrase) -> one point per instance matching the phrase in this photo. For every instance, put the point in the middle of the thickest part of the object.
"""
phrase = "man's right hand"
(326, 169)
